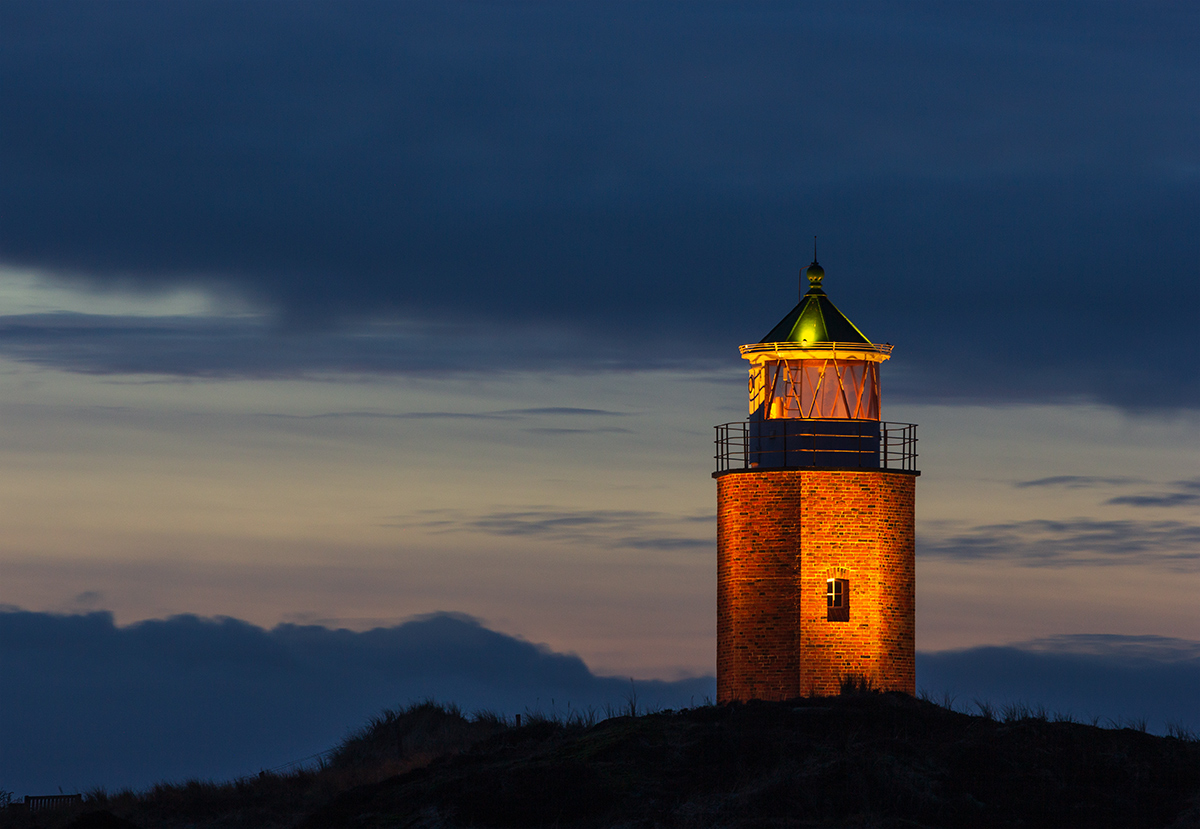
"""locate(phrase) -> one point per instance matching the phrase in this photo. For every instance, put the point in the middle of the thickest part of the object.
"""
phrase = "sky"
(320, 316)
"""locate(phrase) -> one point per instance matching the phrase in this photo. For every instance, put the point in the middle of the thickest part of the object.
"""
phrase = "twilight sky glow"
(340, 314)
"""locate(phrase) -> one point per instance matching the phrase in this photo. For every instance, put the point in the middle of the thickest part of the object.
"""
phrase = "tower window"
(837, 600)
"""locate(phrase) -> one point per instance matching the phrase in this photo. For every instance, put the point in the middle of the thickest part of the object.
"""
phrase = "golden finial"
(814, 272)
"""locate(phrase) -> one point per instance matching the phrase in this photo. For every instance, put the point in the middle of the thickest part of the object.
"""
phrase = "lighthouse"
(816, 500)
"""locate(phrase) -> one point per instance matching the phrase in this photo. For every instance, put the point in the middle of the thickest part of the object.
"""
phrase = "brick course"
(780, 535)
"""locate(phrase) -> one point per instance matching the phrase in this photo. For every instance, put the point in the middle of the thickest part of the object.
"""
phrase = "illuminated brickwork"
(781, 534)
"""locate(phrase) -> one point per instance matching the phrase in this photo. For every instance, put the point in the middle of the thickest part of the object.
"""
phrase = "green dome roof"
(815, 319)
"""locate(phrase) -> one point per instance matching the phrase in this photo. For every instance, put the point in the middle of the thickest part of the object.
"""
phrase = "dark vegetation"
(862, 759)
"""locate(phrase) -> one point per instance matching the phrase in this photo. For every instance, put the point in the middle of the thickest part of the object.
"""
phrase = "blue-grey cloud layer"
(1009, 192)
(1115, 680)
(87, 703)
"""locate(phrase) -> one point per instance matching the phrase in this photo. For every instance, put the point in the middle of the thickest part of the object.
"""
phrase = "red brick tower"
(815, 509)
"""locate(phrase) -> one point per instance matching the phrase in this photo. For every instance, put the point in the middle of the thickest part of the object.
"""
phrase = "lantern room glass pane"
(827, 389)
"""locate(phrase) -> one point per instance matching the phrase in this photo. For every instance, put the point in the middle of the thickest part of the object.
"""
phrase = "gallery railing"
(847, 348)
(795, 443)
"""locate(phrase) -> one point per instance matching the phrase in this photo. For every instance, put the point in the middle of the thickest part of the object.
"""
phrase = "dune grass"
(862, 758)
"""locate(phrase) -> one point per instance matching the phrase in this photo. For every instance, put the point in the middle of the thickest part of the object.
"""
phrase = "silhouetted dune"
(861, 759)
(102, 819)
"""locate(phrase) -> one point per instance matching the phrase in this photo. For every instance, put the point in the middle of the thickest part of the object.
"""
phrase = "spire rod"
(814, 273)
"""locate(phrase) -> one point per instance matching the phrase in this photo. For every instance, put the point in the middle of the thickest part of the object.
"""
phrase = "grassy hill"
(857, 760)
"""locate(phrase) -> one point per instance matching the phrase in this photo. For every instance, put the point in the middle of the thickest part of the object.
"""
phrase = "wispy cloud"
(548, 430)
(630, 529)
(1080, 541)
(1146, 647)
(502, 414)
(444, 415)
(88, 598)
(249, 346)
(1162, 499)
(1179, 494)
(1173, 494)
(564, 410)
(1077, 482)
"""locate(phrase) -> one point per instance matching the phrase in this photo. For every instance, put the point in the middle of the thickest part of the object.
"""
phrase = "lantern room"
(814, 396)
(815, 363)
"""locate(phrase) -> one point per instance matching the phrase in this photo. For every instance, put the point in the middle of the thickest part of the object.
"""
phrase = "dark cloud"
(1007, 192)
(1081, 541)
(1113, 679)
(87, 703)
(631, 529)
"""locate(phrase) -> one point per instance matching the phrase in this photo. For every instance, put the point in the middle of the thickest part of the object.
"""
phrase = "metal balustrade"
(809, 444)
